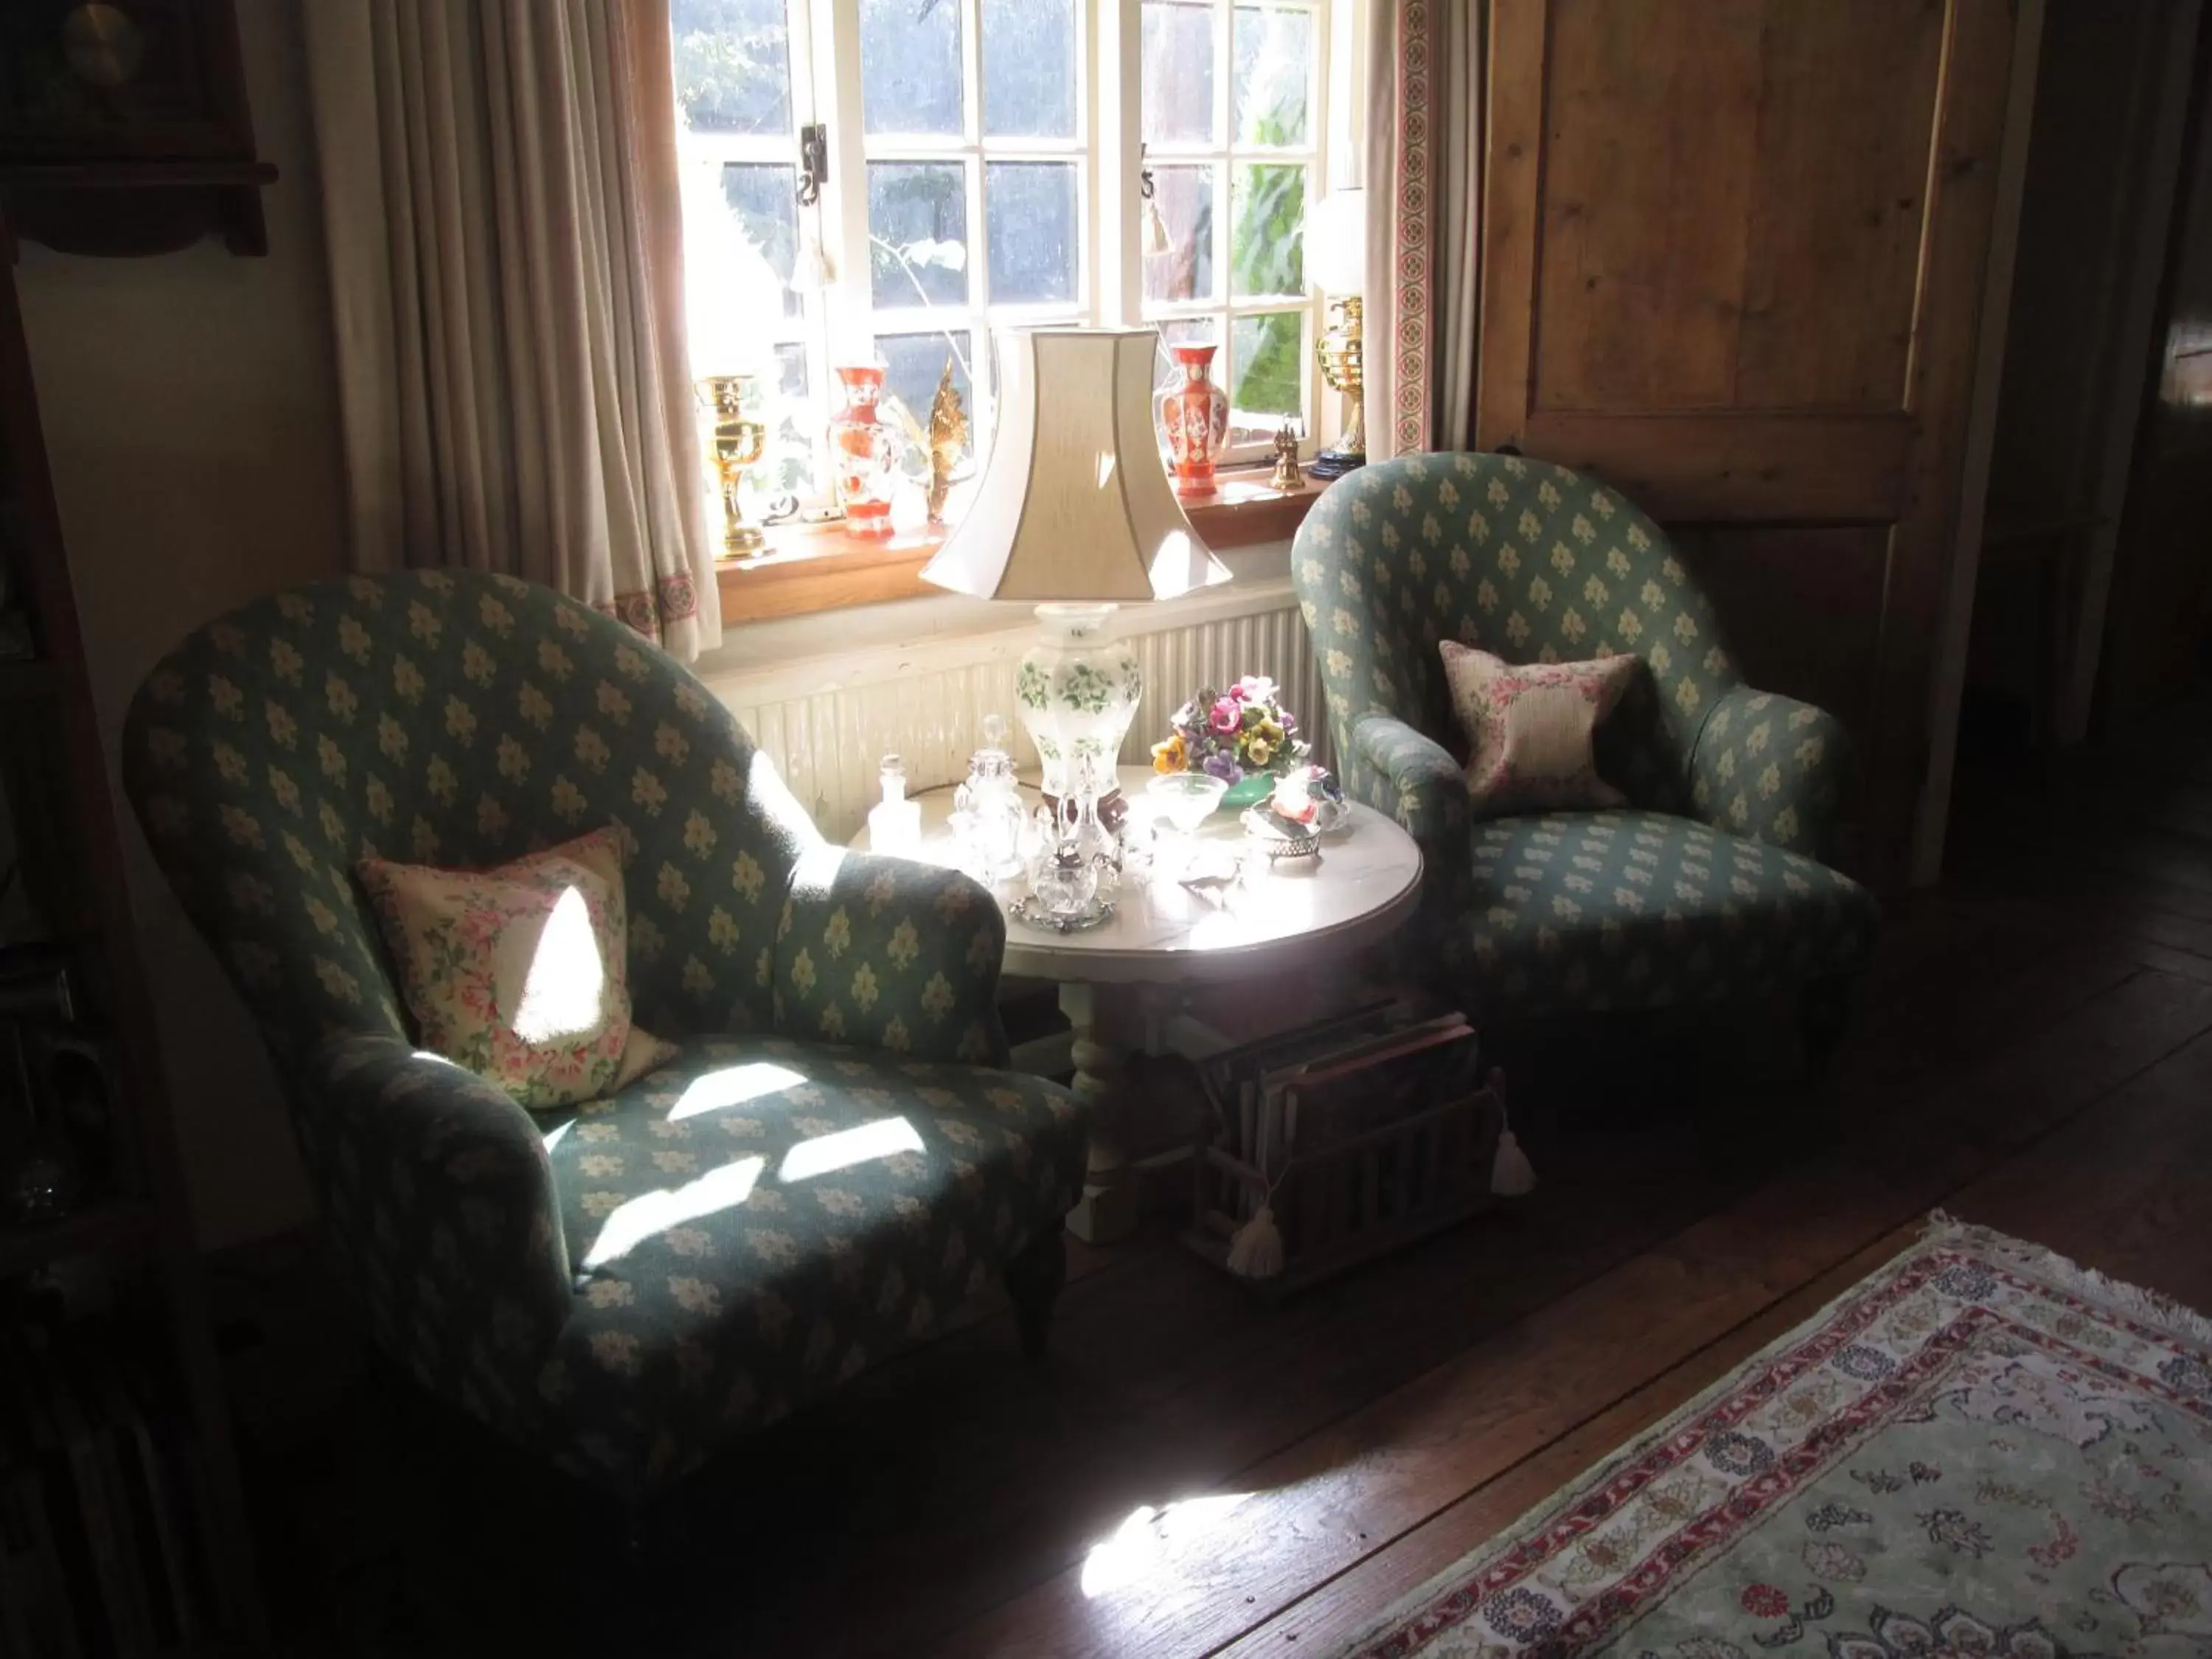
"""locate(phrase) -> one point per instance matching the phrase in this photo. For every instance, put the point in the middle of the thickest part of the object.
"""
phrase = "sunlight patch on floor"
(1146, 1544)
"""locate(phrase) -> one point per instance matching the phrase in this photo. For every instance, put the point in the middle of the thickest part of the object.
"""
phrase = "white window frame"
(856, 321)
(840, 323)
(1223, 155)
(810, 330)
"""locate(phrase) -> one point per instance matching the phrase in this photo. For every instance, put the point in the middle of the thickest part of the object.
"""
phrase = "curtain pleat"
(1423, 180)
(505, 241)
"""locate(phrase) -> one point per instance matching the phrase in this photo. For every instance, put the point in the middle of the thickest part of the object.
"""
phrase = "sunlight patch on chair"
(883, 1138)
(817, 869)
(1148, 1544)
(563, 994)
(733, 1085)
(650, 1213)
(767, 793)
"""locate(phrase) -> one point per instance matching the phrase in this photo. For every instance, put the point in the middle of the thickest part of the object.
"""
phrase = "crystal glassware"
(1186, 800)
(987, 807)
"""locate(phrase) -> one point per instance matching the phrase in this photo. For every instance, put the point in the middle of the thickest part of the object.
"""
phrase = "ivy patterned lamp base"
(1074, 509)
(1077, 688)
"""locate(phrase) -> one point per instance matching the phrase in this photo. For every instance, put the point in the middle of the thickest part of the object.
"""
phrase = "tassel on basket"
(1255, 1249)
(1511, 1173)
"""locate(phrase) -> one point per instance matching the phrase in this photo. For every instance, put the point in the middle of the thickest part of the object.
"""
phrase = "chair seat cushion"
(1629, 908)
(760, 1219)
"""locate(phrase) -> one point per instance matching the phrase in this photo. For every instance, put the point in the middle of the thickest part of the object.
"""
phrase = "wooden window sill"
(808, 568)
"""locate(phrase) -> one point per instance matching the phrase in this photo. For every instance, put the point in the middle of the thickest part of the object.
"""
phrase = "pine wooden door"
(1732, 255)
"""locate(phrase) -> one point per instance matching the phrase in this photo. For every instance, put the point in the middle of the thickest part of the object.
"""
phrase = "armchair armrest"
(1772, 768)
(891, 953)
(1411, 777)
(439, 1196)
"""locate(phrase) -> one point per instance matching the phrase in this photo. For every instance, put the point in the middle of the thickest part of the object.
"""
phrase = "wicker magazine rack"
(1359, 1135)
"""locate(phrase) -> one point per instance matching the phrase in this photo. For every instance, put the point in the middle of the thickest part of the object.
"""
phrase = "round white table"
(1293, 913)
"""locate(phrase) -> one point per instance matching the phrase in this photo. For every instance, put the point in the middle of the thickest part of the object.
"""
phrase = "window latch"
(813, 162)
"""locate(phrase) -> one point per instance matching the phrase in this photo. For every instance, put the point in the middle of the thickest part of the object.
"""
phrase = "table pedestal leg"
(1108, 1209)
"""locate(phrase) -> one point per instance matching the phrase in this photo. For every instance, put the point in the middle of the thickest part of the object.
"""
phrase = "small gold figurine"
(1287, 476)
(948, 435)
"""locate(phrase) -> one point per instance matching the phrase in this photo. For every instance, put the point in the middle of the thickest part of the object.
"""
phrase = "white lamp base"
(1078, 690)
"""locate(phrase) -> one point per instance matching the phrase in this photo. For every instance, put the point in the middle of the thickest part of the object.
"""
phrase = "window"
(976, 160)
(960, 191)
(751, 253)
(1232, 118)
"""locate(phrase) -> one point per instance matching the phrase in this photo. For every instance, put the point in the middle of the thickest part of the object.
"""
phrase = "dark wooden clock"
(124, 127)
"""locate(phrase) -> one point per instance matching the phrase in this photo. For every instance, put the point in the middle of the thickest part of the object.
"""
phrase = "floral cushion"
(1530, 728)
(519, 973)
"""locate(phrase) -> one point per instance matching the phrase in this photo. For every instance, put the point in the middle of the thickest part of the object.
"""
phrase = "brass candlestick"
(739, 440)
(1339, 350)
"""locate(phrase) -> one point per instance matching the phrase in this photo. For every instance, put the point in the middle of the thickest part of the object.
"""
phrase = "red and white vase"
(1194, 420)
(860, 449)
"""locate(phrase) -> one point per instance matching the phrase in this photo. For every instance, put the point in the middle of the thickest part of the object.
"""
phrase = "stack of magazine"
(97, 1487)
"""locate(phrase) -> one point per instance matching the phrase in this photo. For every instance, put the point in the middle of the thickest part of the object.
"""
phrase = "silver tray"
(1025, 910)
(1263, 833)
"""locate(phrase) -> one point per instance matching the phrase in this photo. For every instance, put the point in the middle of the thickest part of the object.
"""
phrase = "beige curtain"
(500, 198)
(1424, 155)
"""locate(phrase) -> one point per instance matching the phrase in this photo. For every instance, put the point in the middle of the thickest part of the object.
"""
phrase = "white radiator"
(929, 711)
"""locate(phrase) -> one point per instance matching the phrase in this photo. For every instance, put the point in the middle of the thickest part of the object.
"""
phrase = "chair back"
(459, 718)
(1526, 560)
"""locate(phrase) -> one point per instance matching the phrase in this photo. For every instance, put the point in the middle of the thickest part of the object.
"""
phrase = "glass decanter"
(987, 807)
(1099, 847)
(1063, 876)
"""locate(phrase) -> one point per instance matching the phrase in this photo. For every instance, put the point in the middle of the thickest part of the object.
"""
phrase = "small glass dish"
(1186, 800)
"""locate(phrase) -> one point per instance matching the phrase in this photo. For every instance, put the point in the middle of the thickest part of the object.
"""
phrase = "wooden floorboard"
(2034, 1051)
(2119, 1190)
(1345, 1491)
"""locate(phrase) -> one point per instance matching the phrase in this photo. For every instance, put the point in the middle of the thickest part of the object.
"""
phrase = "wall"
(189, 419)
(2094, 213)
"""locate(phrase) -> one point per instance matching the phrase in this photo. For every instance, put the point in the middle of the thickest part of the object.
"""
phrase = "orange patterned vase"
(860, 448)
(1193, 420)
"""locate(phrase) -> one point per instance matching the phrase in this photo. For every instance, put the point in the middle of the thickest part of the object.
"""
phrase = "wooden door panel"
(1732, 262)
(1730, 202)
(1705, 468)
(1800, 609)
(1844, 131)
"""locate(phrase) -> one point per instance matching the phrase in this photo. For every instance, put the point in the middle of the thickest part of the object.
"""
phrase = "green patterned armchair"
(828, 1167)
(1710, 883)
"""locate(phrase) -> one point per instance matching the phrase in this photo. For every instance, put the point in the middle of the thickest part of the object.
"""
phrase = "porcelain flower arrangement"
(1239, 734)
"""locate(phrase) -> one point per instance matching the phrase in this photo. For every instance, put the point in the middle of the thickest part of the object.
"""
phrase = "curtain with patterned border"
(502, 216)
(1423, 178)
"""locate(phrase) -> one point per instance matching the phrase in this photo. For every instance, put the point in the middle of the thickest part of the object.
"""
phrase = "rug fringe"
(2061, 1273)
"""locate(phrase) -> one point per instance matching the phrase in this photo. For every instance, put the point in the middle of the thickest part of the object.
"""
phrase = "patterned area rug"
(1980, 1449)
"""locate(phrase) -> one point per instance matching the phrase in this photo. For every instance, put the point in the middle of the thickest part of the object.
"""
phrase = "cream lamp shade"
(1074, 503)
(1336, 243)
(1074, 515)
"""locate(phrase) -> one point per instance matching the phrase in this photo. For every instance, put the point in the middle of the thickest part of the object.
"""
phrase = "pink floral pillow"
(1528, 728)
(520, 973)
